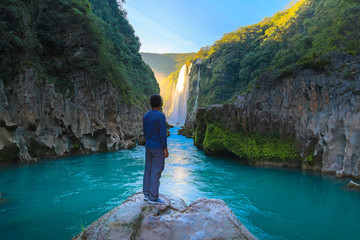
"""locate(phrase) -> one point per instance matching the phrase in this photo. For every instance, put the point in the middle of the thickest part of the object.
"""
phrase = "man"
(154, 125)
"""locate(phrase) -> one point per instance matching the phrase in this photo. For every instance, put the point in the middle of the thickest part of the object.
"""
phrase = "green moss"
(309, 158)
(199, 135)
(75, 146)
(249, 146)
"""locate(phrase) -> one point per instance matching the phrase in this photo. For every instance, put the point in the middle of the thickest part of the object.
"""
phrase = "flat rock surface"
(137, 219)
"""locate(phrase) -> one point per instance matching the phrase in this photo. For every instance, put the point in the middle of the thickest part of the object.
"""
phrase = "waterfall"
(180, 96)
(197, 89)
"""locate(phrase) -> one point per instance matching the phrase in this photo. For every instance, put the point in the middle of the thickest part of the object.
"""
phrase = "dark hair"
(155, 100)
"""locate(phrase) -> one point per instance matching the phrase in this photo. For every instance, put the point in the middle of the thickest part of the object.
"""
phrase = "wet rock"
(188, 130)
(137, 219)
(353, 184)
(141, 140)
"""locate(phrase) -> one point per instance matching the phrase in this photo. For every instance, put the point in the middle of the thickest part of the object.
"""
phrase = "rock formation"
(320, 111)
(38, 122)
(353, 184)
(137, 219)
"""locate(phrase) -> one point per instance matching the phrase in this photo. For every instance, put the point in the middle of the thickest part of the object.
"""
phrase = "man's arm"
(163, 136)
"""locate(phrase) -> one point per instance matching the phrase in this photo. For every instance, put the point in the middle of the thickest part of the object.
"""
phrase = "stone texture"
(353, 184)
(320, 109)
(38, 122)
(137, 219)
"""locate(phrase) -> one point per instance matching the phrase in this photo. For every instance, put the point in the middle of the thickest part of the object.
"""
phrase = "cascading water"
(198, 86)
(180, 96)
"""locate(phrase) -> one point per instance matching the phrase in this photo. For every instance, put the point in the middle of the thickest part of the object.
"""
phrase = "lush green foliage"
(249, 146)
(66, 39)
(124, 46)
(303, 34)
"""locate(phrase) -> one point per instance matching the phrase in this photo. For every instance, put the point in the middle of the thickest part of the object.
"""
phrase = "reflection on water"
(54, 199)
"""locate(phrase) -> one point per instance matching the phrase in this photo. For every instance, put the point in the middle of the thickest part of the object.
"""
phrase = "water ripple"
(56, 198)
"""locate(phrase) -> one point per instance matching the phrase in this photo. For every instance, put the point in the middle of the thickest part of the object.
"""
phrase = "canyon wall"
(37, 122)
(309, 119)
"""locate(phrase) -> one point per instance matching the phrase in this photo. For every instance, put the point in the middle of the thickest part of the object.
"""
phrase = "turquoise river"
(55, 199)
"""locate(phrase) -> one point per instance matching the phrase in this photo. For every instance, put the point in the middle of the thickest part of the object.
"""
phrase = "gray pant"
(154, 165)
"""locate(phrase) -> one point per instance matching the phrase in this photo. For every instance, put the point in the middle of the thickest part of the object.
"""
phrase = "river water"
(55, 199)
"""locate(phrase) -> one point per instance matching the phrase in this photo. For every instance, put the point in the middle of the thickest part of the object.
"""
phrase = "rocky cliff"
(309, 119)
(137, 219)
(72, 80)
(37, 122)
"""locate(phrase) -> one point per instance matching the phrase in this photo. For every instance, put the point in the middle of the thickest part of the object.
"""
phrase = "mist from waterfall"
(180, 95)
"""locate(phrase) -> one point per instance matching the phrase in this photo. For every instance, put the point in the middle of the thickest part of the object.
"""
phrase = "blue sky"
(178, 26)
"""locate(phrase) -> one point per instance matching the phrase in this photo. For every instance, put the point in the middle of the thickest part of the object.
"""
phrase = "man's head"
(155, 101)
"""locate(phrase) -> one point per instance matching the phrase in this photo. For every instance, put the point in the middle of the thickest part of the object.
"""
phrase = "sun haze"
(165, 26)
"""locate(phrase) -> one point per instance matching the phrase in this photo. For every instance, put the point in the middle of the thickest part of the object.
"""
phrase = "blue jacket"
(154, 125)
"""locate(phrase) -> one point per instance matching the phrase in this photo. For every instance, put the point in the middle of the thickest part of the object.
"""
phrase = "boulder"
(137, 219)
(353, 184)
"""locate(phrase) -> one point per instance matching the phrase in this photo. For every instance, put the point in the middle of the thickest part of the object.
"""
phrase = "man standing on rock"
(154, 125)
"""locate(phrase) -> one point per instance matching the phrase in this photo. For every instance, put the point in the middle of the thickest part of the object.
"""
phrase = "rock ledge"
(137, 219)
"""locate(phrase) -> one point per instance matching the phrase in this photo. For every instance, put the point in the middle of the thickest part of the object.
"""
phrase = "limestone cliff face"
(321, 110)
(38, 122)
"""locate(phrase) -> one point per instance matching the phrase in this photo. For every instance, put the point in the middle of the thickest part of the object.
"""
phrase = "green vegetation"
(309, 158)
(63, 40)
(249, 146)
(200, 133)
(302, 35)
(124, 46)
(217, 135)
(75, 146)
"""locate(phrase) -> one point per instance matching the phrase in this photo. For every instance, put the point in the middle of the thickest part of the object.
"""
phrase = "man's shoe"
(157, 201)
(146, 197)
